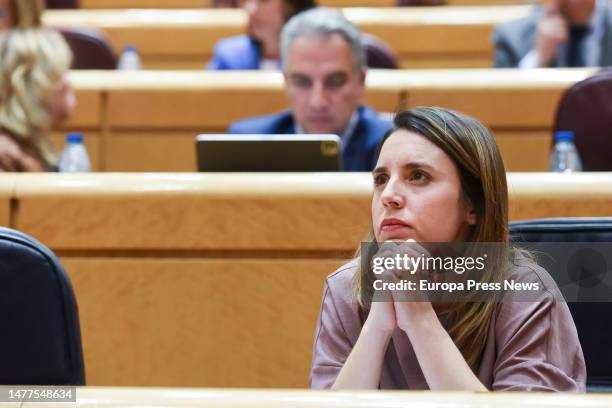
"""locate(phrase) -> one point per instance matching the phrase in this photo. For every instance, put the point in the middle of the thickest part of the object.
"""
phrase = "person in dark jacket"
(559, 33)
(259, 48)
(324, 68)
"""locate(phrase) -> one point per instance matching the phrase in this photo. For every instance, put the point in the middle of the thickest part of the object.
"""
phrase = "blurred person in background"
(324, 66)
(35, 97)
(20, 13)
(559, 33)
(260, 48)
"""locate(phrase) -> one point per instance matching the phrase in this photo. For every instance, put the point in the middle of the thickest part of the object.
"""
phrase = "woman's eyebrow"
(417, 165)
(409, 166)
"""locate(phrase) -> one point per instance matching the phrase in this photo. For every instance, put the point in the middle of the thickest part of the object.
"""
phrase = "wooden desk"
(149, 119)
(423, 37)
(7, 204)
(216, 280)
(199, 212)
(93, 397)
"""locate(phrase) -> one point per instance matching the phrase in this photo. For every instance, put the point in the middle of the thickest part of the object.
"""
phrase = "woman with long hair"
(439, 178)
(35, 97)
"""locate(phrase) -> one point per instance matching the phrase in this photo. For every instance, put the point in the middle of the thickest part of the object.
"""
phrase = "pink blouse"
(531, 346)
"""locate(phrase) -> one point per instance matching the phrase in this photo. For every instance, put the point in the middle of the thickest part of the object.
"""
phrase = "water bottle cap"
(131, 48)
(564, 135)
(74, 138)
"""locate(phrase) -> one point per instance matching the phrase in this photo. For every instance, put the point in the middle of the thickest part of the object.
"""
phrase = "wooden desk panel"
(448, 37)
(162, 151)
(524, 151)
(197, 213)
(542, 195)
(175, 151)
(184, 37)
(7, 189)
(208, 110)
(195, 224)
(153, 151)
(205, 100)
(503, 99)
(198, 322)
(194, 212)
(88, 112)
(5, 211)
(191, 107)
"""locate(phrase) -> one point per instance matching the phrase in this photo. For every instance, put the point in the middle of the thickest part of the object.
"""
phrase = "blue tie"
(576, 46)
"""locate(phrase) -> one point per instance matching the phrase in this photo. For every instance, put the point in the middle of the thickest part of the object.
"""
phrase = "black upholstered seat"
(41, 338)
(593, 319)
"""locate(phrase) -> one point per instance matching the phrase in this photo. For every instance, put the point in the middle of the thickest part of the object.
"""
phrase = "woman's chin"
(396, 237)
(395, 240)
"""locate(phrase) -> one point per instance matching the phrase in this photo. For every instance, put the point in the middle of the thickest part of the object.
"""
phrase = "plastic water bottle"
(565, 158)
(74, 158)
(129, 60)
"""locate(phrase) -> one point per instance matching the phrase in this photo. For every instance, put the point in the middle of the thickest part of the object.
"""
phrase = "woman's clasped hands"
(398, 300)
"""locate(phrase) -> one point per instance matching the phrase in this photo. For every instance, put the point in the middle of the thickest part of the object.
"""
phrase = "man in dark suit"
(561, 33)
(324, 68)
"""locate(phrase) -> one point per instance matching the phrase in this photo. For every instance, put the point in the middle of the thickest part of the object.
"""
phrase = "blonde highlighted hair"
(32, 65)
(476, 156)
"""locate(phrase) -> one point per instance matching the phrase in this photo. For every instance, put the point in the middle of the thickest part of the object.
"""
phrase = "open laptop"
(268, 153)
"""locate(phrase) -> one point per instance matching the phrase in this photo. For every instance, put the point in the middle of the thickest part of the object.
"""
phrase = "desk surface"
(193, 397)
(190, 212)
(543, 185)
(180, 18)
(445, 79)
(200, 212)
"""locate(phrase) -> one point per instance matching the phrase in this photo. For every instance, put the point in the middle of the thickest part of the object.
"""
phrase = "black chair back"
(593, 319)
(41, 338)
(378, 54)
(586, 109)
(90, 48)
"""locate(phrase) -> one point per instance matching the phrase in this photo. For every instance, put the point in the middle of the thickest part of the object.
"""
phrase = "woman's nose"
(392, 197)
